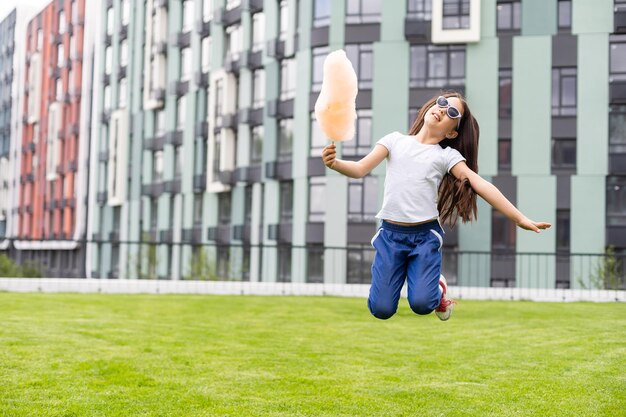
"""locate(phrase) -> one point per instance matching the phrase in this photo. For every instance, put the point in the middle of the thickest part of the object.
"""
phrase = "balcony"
(166, 236)
(199, 183)
(54, 72)
(617, 92)
(157, 94)
(228, 17)
(180, 40)
(72, 166)
(153, 190)
(106, 79)
(203, 28)
(230, 121)
(282, 232)
(154, 144)
(103, 156)
(275, 49)
(124, 32)
(192, 236)
(121, 72)
(74, 129)
(101, 197)
(242, 232)
(219, 234)
(159, 48)
(114, 237)
(252, 60)
(232, 64)
(280, 109)
(202, 129)
(179, 88)
(253, 6)
(417, 29)
(279, 170)
(201, 79)
(174, 138)
(251, 116)
(172, 186)
(226, 177)
(105, 117)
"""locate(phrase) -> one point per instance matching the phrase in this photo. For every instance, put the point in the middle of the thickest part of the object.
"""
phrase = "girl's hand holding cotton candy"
(335, 108)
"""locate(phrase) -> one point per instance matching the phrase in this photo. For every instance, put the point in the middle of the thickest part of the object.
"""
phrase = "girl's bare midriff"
(410, 224)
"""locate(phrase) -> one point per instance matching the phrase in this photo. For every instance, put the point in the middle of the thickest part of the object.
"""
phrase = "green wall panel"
(592, 16)
(539, 17)
(532, 111)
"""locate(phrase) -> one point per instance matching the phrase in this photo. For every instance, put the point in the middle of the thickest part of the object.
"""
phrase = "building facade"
(204, 154)
(54, 141)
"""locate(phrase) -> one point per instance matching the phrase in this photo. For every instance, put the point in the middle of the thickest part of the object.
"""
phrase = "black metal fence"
(313, 263)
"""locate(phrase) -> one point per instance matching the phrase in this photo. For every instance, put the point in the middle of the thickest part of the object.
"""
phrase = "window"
(125, 12)
(256, 145)
(207, 10)
(287, 79)
(217, 150)
(219, 92)
(509, 16)
(108, 60)
(286, 201)
(565, 14)
(564, 91)
(363, 11)
(110, 21)
(159, 122)
(321, 13)
(178, 162)
(157, 166)
(505, 96)
(197, 209)
(317, 199)
(39, 39)
(223, 208)
(122, 93)
(107, 98)
(420, 10)
(247, 204)
(502, 232)
(62, 22)
(234, 41)
(180, 113)
(564, 155)
(223, 262)
(362, 199)
(616, 200)
(437, 66)
(456, 14)
(284, 263)
(284, 20)
(258, 88)
(60, 55)
(185, 64)
(618, 58)
(59, 89)
(504, 156)
(562, 230)
(319, 55)
(315, 263)
(359, 264)
(617, 129)
(188, 15)
(285, 139)
(258, 31)
(123, 53)
(361, 58)
(154, 210)
(206, 54)
(73, 49)
(361, 144)
(318, 140)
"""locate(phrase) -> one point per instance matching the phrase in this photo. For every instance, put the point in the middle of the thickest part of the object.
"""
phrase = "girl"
(431, 176)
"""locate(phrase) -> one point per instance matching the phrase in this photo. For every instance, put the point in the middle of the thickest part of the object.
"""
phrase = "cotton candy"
(335, 108)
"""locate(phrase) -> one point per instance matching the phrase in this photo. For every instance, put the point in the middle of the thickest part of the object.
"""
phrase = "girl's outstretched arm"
(493, 196)
(354, 169)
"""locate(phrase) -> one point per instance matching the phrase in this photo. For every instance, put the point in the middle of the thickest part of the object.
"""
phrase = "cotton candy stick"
(335, 108)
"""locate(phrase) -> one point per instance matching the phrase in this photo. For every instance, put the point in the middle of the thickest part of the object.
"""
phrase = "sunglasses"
(452, 111)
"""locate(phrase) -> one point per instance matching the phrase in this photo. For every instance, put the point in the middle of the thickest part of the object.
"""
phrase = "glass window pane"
(618, 58)
(568, 94)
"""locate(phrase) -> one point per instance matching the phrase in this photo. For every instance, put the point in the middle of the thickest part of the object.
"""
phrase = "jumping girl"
(431, 177)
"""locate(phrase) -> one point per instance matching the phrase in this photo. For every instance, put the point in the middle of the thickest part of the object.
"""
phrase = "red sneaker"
(446, 305)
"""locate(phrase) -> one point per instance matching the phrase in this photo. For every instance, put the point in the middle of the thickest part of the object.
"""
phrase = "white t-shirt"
(414, 172)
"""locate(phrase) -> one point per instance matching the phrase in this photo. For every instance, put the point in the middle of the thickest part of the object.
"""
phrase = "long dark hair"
(456, 197)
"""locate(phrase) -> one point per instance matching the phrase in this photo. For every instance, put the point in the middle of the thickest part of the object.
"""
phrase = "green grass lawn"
(170, 355)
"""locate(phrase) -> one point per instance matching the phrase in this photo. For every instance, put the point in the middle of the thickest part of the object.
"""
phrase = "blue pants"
(406, 252)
